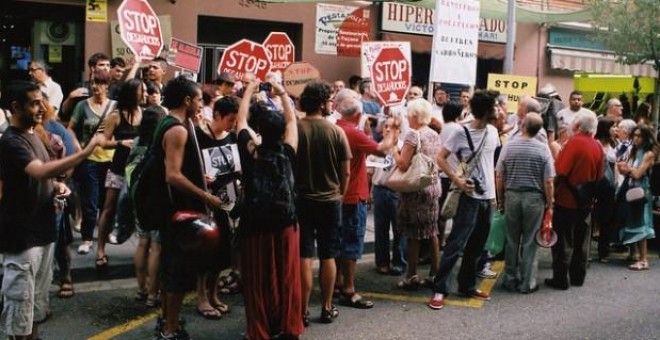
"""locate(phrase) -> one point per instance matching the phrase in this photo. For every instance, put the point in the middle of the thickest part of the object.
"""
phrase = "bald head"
(527, 104)
(347, 102)
(532, 124)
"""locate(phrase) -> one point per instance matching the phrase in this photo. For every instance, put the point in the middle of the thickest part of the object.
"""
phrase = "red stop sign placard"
(140, 28)
(245, 56)
(280, 49)
(390, 73)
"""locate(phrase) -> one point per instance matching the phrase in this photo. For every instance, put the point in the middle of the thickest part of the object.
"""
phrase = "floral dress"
(418, 211)
(637, 223)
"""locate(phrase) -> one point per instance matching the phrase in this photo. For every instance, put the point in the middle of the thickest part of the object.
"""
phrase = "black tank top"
(123, 131)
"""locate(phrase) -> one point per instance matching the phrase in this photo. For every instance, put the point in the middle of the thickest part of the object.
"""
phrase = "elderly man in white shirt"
(38, 71)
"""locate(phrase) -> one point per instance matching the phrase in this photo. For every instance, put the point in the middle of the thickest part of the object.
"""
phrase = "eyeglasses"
(34, 69)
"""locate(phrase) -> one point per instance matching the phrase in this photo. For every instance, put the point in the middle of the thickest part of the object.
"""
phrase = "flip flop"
(222, 307)
(66, 291)
(210, 314)
(355, 300)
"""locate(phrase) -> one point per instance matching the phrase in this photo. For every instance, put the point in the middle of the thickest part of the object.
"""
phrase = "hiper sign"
(140, 28)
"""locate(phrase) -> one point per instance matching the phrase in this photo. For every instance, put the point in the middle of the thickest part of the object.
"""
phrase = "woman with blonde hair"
(419, 223)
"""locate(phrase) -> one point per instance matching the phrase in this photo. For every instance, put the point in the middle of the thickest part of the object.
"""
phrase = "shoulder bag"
(419, 175)
(464, 169)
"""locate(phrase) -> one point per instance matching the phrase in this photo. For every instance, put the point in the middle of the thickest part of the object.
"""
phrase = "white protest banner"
(455, 42)
(329, 18)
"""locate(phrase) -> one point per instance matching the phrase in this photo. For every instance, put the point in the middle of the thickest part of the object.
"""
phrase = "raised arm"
(291, 128)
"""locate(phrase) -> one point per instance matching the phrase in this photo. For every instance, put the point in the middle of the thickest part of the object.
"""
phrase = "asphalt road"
(614, 303)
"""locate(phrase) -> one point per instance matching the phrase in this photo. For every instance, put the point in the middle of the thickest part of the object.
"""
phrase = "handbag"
(635, 194)
(197, 233)
(497, 234)
(420, 173)
(464, 169)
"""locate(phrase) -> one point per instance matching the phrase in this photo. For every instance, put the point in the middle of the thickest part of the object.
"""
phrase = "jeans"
(385, 205)
(90, 177)
(524, 215)
(570, 253)
(468, 235)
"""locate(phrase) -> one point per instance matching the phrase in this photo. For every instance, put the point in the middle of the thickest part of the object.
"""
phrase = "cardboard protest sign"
(514, 87)
(297, 75)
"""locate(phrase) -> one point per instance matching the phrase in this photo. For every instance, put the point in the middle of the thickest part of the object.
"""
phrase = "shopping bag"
(497, 235)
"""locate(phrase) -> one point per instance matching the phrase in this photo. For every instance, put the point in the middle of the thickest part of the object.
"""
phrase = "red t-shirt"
(361, 145)
(581, 160)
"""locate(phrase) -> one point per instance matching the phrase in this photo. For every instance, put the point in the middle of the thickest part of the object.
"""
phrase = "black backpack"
(270, 196)
(148, 190)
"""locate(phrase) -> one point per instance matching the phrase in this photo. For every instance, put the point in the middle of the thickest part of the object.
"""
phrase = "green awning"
(492, 9)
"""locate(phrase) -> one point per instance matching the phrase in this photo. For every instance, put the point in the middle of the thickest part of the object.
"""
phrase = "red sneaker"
(437, 301)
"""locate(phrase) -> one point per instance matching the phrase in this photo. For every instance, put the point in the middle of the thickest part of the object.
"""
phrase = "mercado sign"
(404, 18)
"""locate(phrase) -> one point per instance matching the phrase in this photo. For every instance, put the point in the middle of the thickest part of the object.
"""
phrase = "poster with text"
(119, 48)
(371, 49)
(514, 87)
(330, 18)
(455, 42)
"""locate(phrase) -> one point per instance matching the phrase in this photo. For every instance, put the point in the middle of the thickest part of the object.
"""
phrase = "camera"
(478, 187)
(265, 87)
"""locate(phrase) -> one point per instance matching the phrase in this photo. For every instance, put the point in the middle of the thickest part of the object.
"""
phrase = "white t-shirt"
(449, 129)
(436, 112)
(484, 171)
(566, 115)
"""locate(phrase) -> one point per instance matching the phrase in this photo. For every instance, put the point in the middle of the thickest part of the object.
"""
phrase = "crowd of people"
(289, 179)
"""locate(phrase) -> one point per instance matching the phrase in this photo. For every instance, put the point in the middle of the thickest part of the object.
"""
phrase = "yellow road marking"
(486, 286)
(133, 324)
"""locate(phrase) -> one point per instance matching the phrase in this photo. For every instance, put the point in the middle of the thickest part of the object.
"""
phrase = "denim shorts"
(352, 230)
(319, 221)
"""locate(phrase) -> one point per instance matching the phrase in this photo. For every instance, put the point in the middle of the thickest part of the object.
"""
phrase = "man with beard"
(27, 211)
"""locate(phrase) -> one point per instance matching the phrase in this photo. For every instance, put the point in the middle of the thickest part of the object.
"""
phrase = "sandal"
(639, 265)
(329, 315)
(140, 296)
(152, 301)
(411, 283)
(222, 307)
(355, 300)
(230, 284)
(66, 291)
(209, 314)
(102, 262)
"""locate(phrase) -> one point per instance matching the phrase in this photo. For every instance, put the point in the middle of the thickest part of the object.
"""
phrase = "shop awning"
(493, 9)
(595, 62)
